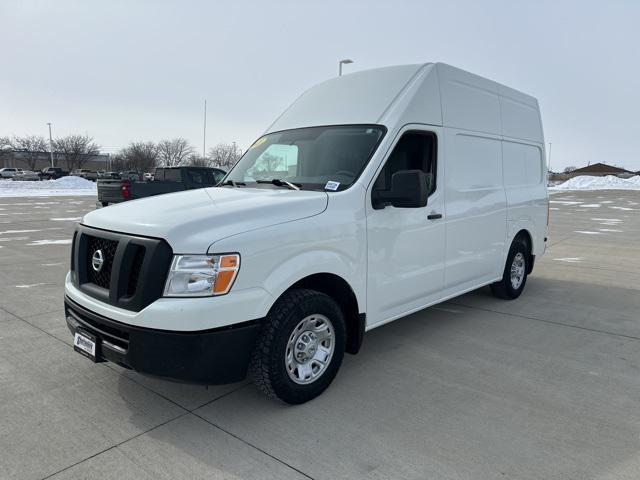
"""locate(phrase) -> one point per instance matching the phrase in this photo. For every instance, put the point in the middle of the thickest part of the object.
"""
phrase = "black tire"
(105, 204)
(268, 364)
(504, 289)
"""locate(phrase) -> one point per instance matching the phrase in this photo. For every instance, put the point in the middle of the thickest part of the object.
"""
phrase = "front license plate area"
(86, 344)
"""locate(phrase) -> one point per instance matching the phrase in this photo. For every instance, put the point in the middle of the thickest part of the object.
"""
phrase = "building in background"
(594, 170)
(22, 159)
(601, 170)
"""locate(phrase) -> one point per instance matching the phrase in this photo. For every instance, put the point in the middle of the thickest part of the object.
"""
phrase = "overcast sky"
(125, 71)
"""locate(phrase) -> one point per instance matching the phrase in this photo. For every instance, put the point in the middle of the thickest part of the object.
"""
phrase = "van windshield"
(315, 158)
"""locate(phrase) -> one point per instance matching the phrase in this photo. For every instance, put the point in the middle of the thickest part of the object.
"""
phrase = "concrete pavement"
(546, 386)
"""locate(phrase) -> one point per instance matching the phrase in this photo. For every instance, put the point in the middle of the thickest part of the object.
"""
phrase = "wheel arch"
(341, 292)
(525, 236)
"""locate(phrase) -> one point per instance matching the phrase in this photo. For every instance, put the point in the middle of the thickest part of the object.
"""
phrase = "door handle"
(434, 216)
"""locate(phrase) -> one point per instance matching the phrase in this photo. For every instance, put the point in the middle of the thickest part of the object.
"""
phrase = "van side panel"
(525, 188)
(419, 103)
(520, 115)
(469, 102)
(475, 209)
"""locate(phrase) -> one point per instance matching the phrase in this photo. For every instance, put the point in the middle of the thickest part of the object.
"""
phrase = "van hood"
(191, 221)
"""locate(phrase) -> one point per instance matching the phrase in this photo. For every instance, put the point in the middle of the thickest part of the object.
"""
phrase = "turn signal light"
(227, 270)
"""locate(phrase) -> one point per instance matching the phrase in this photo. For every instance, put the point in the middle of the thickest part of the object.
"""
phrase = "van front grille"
(136, 267)
(107, 248)
(132, 272)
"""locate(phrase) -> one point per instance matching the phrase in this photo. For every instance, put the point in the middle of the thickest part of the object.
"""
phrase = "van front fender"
(310, 263)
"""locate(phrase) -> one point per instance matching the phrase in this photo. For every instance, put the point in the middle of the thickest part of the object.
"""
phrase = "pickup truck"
(52, 173)
(166, 180)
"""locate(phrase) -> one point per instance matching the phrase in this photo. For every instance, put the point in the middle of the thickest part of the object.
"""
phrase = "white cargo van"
(374, 195)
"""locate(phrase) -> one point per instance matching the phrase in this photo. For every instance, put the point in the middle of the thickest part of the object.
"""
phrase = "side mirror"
(409, 189)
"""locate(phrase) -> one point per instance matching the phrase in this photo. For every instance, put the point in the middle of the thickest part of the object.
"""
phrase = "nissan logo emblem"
(97, 260)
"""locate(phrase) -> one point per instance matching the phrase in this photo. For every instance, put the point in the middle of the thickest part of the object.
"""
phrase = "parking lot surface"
(546, 386)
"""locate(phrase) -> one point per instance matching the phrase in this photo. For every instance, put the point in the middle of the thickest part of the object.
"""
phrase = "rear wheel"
(514, 276)
(300, 348)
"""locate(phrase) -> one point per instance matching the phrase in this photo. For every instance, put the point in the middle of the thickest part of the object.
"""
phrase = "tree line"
(76, 150)
(144, 156)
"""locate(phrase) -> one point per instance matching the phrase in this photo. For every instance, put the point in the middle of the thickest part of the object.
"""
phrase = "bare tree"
(173, 153)
(119, 162)
(138, 156)
(77, 149)
(267, 166)
(5, 149)
(196, 160)
(5, 143)
(569, 169)
(224, 155)
(31, 148)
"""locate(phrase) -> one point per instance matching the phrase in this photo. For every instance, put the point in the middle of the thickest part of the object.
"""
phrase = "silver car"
(9, 172)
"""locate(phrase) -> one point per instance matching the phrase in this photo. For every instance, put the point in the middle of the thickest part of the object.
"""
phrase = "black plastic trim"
(151, 277)
(215, 356)
(354, 342)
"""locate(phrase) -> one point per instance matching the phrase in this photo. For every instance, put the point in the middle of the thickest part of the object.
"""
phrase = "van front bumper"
(211, 357)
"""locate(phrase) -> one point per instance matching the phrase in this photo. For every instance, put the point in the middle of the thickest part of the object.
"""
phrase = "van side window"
(414, 151)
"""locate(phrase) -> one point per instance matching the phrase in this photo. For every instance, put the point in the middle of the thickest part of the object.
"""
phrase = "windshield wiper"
(281, 183)
(233, 183)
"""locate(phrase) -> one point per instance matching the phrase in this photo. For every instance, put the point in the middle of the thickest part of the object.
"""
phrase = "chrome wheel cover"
(517, 271)
(310, 349)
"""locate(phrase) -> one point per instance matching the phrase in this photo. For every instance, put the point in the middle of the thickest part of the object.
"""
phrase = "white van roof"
(430, 93)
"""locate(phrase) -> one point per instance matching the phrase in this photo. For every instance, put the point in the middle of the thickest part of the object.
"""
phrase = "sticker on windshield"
(332, 186)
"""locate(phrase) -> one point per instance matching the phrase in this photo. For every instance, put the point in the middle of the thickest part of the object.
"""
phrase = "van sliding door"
(476, 215)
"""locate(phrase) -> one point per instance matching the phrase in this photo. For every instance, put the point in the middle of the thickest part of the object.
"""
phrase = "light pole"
(204, 133)
(549, 156)
(50, 145)
(346, 61)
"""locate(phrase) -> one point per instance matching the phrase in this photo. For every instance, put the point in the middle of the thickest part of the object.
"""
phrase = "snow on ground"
(49, 242)
(65, 186)
(18, 231)
(569, 259)
(610, 182)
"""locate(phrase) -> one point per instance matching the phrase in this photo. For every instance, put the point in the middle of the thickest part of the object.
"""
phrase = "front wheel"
(514, 276)
(300, 348)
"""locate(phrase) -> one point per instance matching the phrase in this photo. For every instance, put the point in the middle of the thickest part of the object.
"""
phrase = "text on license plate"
(85, 344)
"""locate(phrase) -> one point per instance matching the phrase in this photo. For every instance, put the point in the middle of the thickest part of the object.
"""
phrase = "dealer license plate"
(85, 344)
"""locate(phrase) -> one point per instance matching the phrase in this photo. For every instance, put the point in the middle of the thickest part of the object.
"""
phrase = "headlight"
(201, 275)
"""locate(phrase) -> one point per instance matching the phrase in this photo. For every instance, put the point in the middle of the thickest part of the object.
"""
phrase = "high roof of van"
(430, 93)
